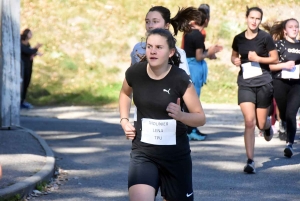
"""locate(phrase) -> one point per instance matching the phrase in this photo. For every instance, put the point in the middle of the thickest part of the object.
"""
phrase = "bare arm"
(235, 58)
(124, 107)
(272, 59)
(196, 116)
(285, 65)
(200, 55)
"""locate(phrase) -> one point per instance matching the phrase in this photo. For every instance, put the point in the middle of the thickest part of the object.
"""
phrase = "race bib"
(251, 69)
(291, 74)
(159, 132)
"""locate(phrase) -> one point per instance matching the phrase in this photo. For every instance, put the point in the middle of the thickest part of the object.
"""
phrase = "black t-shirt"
(26, 55)
(192, 41)
(151, 99)
(287, 51)
(262, 44)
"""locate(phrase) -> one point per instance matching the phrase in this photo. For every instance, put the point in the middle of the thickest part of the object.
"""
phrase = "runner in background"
(196, 53)
(160, 17)
(286, 76)
(252, 51)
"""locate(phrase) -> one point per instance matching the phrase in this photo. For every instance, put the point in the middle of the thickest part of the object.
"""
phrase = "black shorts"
(261, 96)
(173, 177)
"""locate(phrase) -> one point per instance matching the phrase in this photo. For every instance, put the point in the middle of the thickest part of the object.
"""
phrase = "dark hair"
(205, 7)
(171, 41)
(254, 9)
(276, 29)
(181, 20)
(24, 34)
(203, 17)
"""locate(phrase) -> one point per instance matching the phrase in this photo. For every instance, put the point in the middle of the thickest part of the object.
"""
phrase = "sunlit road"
(91, 147)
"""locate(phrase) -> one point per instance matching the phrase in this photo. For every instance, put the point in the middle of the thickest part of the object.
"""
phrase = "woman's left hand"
(252, 56)
(174, 110)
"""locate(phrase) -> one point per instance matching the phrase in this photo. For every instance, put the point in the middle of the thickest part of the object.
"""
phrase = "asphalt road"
(91, 147)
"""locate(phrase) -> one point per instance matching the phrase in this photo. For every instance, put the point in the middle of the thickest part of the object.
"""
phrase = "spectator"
(27, 55)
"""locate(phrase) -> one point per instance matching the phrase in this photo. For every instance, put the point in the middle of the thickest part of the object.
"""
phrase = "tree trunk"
(10, 76)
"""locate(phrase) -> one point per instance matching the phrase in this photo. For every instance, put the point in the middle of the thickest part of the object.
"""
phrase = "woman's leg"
(140, 192)
(143, 177)
(248, 110)
(263, 122)
(264, 101)
(293, 104)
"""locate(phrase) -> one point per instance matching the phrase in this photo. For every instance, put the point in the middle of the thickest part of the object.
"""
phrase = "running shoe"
(194, 136)
(288, 151)
(26, 105)
(250, 168)
(268, 134)
(199, 133)
(282, 136)
(282, 126)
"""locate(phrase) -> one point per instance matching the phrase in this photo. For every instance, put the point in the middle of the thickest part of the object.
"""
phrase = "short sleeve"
(185, 81)
(132, 56)
(199, 41)
(280, 48)
(270, 43)
(129, 75)
(138, 52)
(235, 44)
(184, 64)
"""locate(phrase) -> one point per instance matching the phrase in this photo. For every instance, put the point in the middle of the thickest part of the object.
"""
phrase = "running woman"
(195, 51)
(159, 17)
(160, 155)
(286, 77)
(253, 50)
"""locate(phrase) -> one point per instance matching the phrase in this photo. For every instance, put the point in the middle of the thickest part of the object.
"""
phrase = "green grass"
(87, 45)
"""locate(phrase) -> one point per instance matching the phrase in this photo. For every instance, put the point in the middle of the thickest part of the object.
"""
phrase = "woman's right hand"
(129, 130)
(289, 65)
(38, 45)
(237, 62)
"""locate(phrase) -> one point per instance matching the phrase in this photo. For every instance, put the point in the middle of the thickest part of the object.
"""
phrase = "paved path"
(90, 145)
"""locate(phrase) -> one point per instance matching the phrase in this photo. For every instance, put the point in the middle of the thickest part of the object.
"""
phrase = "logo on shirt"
(293, 50)
(189, 195)
(168, 91)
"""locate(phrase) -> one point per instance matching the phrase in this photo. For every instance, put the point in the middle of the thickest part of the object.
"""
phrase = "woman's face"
(155, 20)
(291, 29)
(253, 20)
(158, 51)
(29, 35)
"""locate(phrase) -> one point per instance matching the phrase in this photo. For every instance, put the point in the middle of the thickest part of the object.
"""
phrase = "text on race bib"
(159, 132)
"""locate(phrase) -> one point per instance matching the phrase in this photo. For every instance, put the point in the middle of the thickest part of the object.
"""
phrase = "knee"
(250, 124)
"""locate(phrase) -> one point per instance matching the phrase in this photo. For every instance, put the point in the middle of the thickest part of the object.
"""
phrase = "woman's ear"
(192, 24)
(167, 26)
(172, 52)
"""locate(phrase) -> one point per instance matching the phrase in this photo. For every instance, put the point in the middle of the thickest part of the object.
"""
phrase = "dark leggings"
(27, 71)
(287, 96)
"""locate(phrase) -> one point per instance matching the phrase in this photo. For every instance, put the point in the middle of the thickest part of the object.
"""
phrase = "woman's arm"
(124, 107)
(28, 50)
(235, 59)
(195, 117)
(272, 59)
(285, 65)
